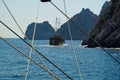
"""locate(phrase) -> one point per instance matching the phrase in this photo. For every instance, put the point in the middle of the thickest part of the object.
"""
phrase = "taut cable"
(37, 51)
(81, 29)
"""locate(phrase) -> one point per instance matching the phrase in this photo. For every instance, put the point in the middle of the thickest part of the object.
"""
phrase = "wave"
(47, 45)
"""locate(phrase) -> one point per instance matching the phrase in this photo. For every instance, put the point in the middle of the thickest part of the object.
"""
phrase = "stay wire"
(29, 58)
(15, 22)
(74, 51)
(22, 33)
(32, 43)
(13, 18)
(37, 51)
(81, 29)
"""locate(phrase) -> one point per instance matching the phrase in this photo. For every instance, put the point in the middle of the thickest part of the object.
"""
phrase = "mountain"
(43, 31)
(107, 30)
(86, 19)
(105, 5)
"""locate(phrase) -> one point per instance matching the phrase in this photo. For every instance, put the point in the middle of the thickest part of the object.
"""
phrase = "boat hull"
(56, 40)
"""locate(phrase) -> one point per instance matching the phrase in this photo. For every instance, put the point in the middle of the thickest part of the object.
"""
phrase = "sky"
(25, 12)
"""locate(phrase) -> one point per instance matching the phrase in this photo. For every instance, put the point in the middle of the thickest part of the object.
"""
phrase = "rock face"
(86, 19)
(105, 5)
(43, 31)
(107, 30)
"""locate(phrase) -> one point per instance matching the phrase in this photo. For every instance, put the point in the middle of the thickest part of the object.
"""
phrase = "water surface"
(94, 63)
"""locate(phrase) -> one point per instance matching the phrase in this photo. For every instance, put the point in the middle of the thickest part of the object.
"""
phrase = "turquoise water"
(94, 63)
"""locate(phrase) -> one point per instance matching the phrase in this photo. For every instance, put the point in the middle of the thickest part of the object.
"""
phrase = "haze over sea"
(94, 63)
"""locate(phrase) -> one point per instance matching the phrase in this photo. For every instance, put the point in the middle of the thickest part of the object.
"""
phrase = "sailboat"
(57, 39)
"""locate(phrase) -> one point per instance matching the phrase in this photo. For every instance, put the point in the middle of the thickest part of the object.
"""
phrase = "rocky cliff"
(43, 31)
(107, 30)
(105, 5)
(86, 19)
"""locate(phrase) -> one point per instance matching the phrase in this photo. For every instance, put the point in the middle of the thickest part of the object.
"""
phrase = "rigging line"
(28, 64)
(17, 24)
(37, 51)
(29, 58)
(32, 43)
(13, 18)
(74, 51)
(81, 29)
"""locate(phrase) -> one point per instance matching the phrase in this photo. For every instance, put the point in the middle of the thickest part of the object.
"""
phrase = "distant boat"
(56, 39)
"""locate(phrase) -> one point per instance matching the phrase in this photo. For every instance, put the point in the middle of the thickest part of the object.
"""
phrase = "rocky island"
(86, 19)
(43, 31)
(107, 29)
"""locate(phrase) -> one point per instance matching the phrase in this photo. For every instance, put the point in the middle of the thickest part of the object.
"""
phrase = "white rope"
(28, 43)
(81, 29)
(74, 51)
(27, 69)
(33, 37)
(25, 36)
(13, 18)
(41, 66)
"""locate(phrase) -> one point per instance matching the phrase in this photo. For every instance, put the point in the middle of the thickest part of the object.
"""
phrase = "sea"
(94, 63)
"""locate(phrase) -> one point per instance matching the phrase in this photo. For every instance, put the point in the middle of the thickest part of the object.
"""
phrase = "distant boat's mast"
(59, 31)
(59, 22)
(56, 24)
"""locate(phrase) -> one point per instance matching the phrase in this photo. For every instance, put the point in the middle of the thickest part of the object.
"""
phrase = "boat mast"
(56, 24)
